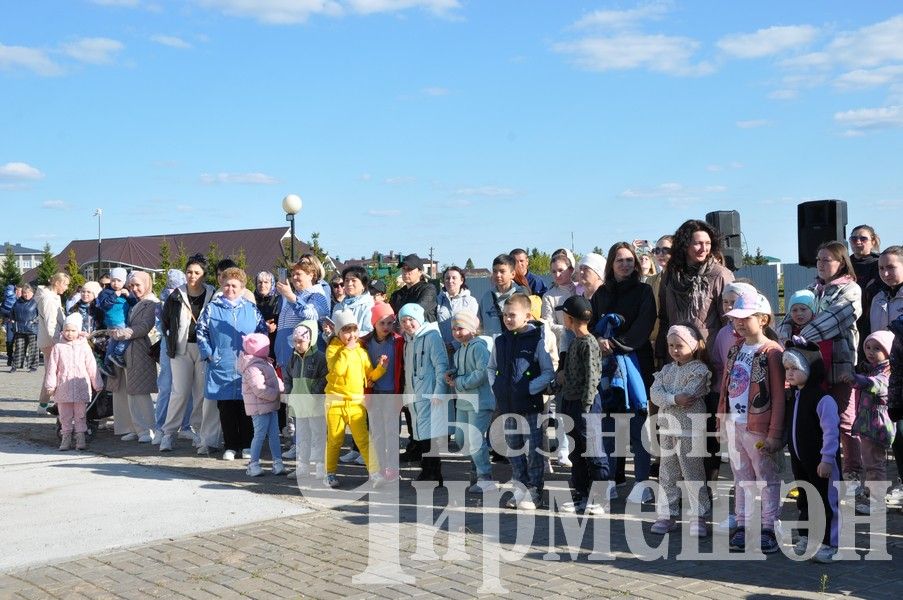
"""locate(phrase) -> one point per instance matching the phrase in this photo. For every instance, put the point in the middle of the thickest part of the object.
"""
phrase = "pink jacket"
(71, 371)
(260, 386)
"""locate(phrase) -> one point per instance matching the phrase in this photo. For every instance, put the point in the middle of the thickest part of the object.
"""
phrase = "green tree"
(48, 266)
(76, 279)
(9, 272)
(165, 256)
(598, 250)
(241, 259)
(469, 264)
(214, 255)
(539, 262)
(316, 248)
(758, 259)
(182, 258)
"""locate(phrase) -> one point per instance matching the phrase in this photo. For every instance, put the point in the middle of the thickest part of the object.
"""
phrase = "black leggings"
(238, 430)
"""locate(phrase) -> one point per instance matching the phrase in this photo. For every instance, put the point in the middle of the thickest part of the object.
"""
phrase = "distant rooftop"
(20, 249)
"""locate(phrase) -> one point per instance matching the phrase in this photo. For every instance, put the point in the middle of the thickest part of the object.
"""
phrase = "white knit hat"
(594, 261)
(73, 321)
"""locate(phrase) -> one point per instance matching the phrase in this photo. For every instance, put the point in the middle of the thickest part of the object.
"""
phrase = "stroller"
(101, 404)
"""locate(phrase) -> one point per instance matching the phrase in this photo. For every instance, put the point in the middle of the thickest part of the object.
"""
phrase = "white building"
(26, 258)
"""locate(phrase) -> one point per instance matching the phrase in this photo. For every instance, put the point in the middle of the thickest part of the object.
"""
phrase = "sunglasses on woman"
(663, 250)
(859, 238)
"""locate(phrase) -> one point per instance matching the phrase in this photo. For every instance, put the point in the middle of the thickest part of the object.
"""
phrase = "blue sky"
(469, 127)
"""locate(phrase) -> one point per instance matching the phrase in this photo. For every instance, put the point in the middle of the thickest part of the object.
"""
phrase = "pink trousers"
(753, 469)
(73, 411)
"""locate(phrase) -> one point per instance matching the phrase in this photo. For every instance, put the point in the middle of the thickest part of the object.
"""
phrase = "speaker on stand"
(819, 221)
(727, 223)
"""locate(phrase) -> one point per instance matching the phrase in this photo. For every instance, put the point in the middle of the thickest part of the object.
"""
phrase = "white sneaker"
(246, 453)
(189, 434)
(377, 480)
(158, 437)
(320, 470)
(146, 438)
(564, 461)
(825, 554)
(519, 494)
(527, 503)
(289, 430)
(129, 437)
(291, 453)
(302, 472)
(594, 509)
(254, 470)
(547, 468)
(727, 525)
(801, 544)
(166, 443)
(278, 468)
(349, 457)
(895, 496)
(640, 494)
(229, 455)
(573, 507)
(482, 485)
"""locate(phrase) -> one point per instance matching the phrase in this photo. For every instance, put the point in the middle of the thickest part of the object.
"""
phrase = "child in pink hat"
(260, 389)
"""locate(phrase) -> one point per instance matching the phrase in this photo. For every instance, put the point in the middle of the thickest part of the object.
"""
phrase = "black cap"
(412, 261)
(578, 307)
(377, 286)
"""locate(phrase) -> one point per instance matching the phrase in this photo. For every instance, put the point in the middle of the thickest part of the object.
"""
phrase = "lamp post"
(291, 205)
(98, 212)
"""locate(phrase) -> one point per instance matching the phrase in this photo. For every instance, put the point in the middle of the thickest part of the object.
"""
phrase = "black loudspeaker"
(727, 222)
(819, 221)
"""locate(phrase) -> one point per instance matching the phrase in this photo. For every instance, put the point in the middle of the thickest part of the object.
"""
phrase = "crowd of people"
(662, 342)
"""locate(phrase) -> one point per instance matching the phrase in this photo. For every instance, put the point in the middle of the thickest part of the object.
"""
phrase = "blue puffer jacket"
(220, 329)
(9, 299)
(425, 366)
(471, 365)
(24, 316)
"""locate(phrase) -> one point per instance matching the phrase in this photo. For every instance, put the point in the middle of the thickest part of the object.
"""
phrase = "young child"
(475, 403)
(114, 302)
(520, 369)
(349, 371)
(383, 415)
(425, 366)
(260, 390)
(578, 382)
(802, 310)
(71, 373)
(493, 301)
(306, 382)
(873, 425)
(752, 402)
(678, 391)
(814, 442)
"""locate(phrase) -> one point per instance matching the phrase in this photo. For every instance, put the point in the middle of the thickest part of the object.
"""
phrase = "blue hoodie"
(220, 329)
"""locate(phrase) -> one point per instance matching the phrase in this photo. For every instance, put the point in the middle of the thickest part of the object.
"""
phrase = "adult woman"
(23, 320)
(662, 254)
(416, 289)
(590, 274)
(624, 294)
(647, 265)
(865, 245)
(268, 304)
(179, 318)
(691, 284)
(50, 317)
(303, 300)
(454, 298)
(838, 302)
(220, 328)
(92, 317)
(337, 290)
(140, 375)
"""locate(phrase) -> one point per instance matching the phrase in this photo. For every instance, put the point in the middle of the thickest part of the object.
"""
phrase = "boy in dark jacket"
(520, 369)
(304, 387)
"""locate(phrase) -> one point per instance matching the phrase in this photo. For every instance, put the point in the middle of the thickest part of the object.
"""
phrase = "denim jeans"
(641, 458)
(266, 426)
(589, 464)
(116, 347)
(473, 438)
(527, 467)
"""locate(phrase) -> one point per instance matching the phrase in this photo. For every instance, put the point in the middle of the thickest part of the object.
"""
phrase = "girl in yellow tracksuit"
(349, 371)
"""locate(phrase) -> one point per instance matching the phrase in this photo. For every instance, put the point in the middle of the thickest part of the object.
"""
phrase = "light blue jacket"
(471, 364)
(425, 366)
(447, 307)
(220, 329)
(491, 309)
(362, 307)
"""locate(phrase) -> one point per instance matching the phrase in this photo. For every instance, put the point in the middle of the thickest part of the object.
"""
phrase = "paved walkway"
(325, 553)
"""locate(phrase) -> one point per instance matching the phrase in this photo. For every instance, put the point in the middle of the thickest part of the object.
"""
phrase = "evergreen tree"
(9, 272)
(241, 259)
(213, 257)
(48, 266)
(76, 279)
(182, 258)
(315, 247)
(758, 259)
(165, 256)
(539, 262)
(469, 264)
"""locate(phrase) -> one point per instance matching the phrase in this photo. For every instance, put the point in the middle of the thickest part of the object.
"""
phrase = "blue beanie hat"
(804, 297)
(415, 311)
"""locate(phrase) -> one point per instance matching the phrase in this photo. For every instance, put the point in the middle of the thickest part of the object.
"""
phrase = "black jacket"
(423, 293)
(635, 302)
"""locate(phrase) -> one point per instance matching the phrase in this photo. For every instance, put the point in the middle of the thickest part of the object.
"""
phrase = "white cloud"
(31, 59)
(289, 12)
(869, 78)
(20, 171)
(869, 119)
(733, 165)
(239, 178)
(768, 41)
(619, 19)
(44, 236)
(435, 91)
(784, 94)
(673, 191)
(658, 53)
(365, 177)
(487, 191)
(383, 213)
(95, 51)
(55, 205)
(402, 180)
(171, 41)
(753, 123)
(870, 46)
